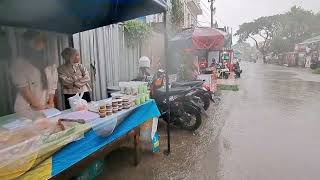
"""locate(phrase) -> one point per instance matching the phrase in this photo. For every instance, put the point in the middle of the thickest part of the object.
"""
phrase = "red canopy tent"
(198, 38)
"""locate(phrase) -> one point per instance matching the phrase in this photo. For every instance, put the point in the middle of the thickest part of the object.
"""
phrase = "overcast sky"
(235, 12)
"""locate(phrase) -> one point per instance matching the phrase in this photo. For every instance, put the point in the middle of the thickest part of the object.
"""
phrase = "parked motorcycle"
(237, 70)
(222, 71)
(315, 65)
(186, 112)
(202, 91)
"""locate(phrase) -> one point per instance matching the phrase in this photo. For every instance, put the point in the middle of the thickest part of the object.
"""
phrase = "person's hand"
(38, 107)
(50, 105)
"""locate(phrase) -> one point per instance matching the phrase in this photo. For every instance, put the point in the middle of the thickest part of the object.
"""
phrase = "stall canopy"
(72, 16)
(311, 40)
(198, 38)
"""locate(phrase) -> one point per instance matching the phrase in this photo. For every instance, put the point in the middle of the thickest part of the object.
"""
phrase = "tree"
(136, 31)
(265, 28)
(280, 33)
(177, 14)
(298, 24)
(280, 44)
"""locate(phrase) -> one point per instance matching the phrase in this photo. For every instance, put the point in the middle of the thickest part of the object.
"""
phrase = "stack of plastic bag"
(77, 103)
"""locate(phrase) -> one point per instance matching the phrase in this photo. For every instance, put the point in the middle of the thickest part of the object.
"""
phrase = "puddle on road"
(271, 128)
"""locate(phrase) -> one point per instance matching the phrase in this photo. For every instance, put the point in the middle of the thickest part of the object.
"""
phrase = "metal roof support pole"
(167, 152)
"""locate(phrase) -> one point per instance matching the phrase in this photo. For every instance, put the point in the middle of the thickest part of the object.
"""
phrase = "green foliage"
(279, 45)
(281, 32)
(136, 31)
(177, 15)
(316, 71)
(299, 24)
(262, 28)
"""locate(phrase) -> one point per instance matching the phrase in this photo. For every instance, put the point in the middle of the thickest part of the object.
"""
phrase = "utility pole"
(212, 12)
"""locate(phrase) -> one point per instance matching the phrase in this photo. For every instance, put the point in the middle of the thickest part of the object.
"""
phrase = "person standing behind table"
(73, 76)
(36, 85)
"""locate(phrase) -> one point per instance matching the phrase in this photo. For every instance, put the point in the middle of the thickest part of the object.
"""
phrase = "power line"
(205, 5)
(193, 15)
(205, 12)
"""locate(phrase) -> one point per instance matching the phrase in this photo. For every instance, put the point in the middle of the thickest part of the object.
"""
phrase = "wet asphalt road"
(272, 130)
(268, 130)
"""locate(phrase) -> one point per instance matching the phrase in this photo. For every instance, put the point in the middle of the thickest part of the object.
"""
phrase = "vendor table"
(77, 154)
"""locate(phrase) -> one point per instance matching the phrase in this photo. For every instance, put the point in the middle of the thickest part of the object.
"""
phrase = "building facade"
(191, 10)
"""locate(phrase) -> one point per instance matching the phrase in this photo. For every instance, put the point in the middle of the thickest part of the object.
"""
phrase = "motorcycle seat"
(186, 83)
(172, 91)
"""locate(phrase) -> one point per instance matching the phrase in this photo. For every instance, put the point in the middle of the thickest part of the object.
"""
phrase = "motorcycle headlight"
(172, 98)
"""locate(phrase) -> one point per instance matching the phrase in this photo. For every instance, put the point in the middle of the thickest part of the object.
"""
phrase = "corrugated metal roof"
(311, 40)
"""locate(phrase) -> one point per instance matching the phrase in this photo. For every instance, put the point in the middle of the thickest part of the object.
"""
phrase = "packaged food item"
(142, 98)
(148, 95)
(108, 109)
(126, 103)
(141, 89)
(102, 113)
(137, 100)
(109, 112)
(114, 103)
(145, 88)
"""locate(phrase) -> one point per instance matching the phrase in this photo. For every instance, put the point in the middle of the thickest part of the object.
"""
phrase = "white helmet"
(144, 61)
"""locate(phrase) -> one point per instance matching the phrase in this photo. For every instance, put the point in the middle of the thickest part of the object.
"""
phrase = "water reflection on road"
(272, 125)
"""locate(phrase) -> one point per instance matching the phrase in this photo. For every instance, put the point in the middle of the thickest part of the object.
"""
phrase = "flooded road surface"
(268, 130)
(272, 129)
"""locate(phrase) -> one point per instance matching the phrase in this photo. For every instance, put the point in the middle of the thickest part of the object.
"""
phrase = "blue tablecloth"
(78, 150)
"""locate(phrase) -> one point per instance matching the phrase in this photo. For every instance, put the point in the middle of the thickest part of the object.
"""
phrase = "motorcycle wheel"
(191, 121)
(205, 101)
(225, 76)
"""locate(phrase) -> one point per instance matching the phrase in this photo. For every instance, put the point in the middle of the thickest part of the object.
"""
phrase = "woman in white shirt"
(36, 85)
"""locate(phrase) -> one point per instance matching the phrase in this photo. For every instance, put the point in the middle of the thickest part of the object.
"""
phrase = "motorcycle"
(237, 70)
(186, 112)
(202, 91)
(222, 71)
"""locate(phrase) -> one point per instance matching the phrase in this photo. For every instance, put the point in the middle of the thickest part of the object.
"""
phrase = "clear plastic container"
(141, 89)
(104, 126)
(137, 100)
(142, 98)
(148, 96)
(145, 88)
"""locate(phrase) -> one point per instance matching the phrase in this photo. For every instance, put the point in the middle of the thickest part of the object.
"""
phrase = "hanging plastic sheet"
(27, 146)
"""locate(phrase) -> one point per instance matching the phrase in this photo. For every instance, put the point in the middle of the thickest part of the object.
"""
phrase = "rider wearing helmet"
(144, 66)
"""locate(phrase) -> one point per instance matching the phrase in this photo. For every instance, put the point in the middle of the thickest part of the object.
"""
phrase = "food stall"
(203, 43)
(309, 52)
(71, 143)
